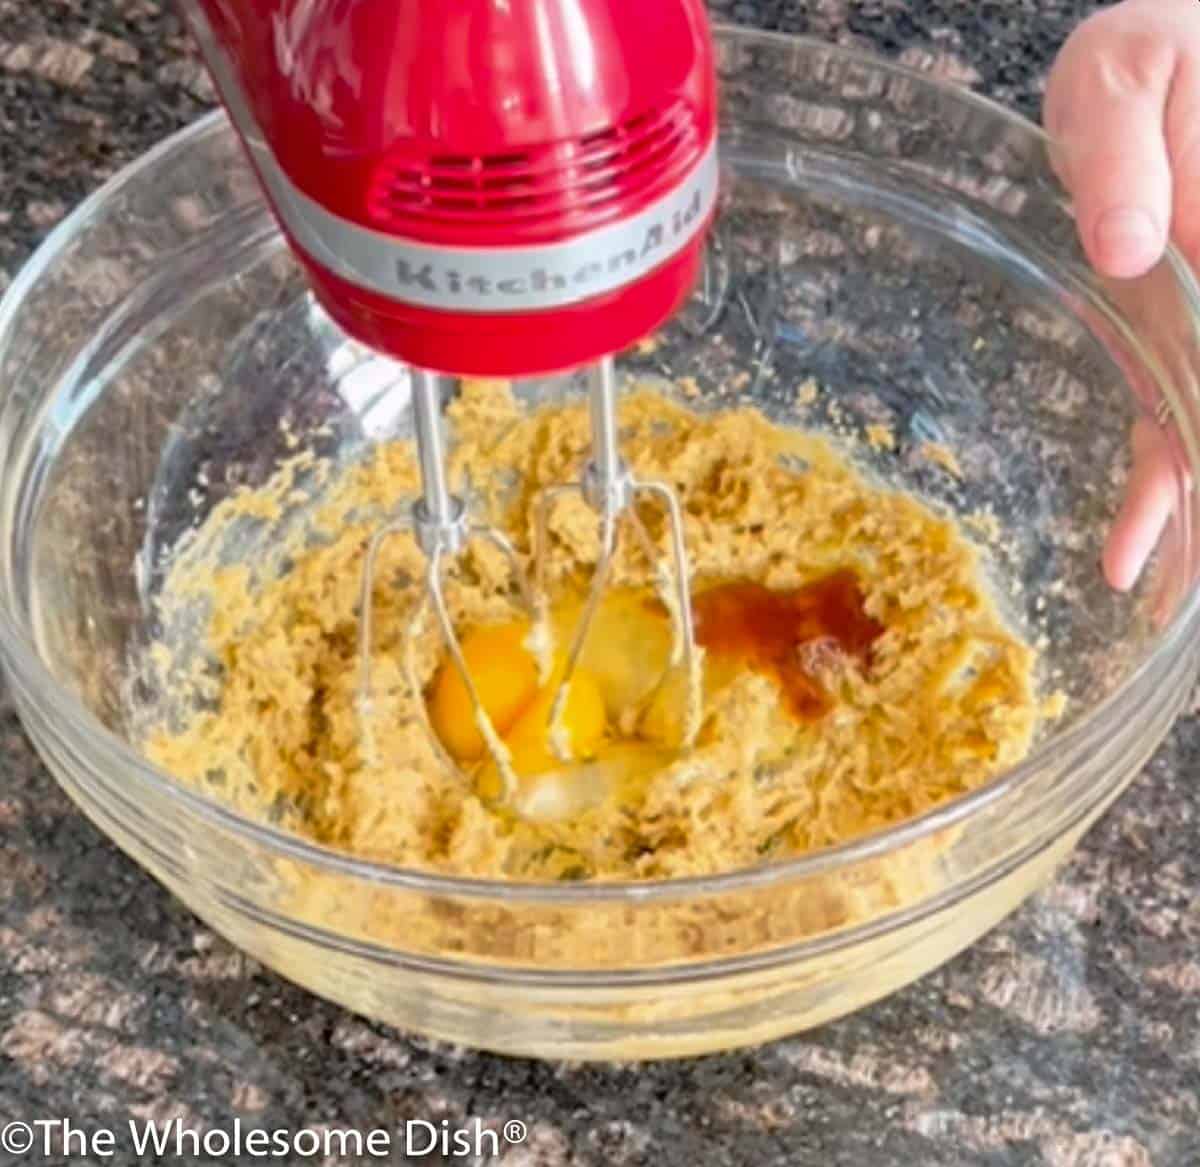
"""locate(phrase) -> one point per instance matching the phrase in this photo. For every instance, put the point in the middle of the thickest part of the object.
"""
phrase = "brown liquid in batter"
(767, 630)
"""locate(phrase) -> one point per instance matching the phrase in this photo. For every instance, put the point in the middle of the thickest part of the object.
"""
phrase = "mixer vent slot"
(587, 175)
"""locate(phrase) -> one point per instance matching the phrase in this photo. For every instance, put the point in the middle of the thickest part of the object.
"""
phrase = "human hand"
(1123, 108)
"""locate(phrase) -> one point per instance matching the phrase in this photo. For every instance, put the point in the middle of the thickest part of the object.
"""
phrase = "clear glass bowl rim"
(63, 704)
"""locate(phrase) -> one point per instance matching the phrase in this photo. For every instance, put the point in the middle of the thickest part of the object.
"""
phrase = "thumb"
(1105, 109)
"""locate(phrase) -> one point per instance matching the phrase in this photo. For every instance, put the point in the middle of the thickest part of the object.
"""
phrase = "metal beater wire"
(439, 523)
(610, 487)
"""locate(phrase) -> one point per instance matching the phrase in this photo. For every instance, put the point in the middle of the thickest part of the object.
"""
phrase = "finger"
(1106, 109)
(1121, 188)
(1170, 583)
(1183, 140)
(1150, 496)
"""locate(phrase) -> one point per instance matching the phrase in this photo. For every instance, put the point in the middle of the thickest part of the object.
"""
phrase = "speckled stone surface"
(1069, 1037)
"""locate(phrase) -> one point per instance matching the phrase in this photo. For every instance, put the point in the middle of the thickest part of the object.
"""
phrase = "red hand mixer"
(491, 188)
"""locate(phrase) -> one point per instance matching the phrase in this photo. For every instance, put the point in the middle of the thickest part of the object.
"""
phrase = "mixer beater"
(442, 526)
(490, 188)
(612, 490)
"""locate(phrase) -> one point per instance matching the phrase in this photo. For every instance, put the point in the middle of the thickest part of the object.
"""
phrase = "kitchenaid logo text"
(628, 262)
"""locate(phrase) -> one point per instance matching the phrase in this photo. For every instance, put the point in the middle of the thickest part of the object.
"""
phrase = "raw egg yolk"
(580, 726)
(505, 676)
(531, 743)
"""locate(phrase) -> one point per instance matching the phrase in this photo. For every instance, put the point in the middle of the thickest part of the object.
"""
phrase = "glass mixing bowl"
(899, 243)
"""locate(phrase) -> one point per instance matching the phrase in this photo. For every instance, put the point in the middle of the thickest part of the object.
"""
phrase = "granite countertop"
(1069, 1037)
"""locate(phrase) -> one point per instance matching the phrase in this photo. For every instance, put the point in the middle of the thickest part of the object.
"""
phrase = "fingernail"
(1128, 238)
